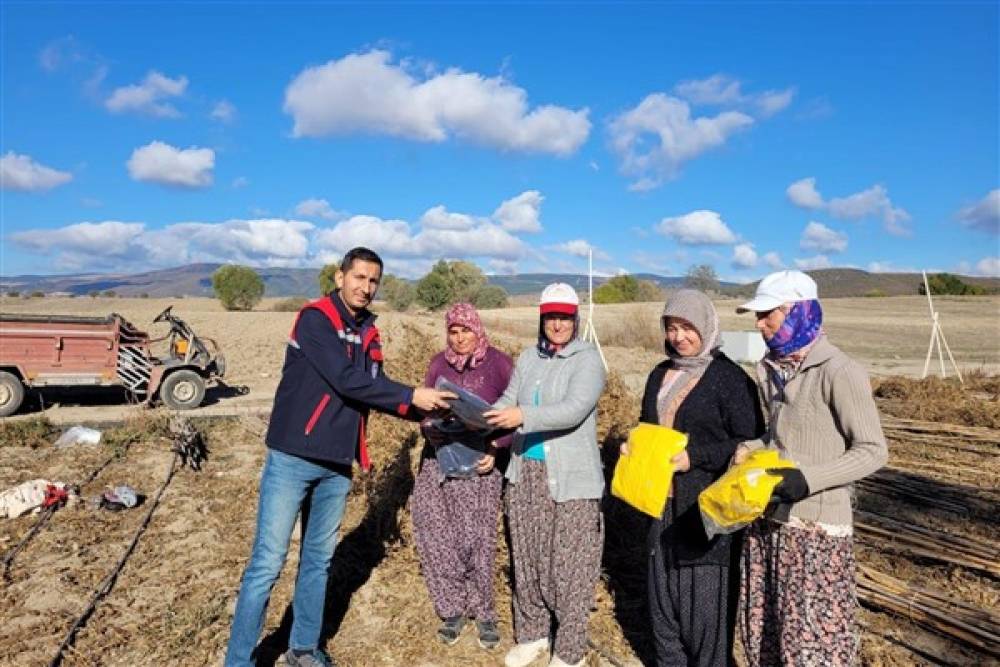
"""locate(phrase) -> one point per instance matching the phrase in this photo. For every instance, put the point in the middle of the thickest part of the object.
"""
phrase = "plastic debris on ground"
(643, 475)
(742, 494)
(30, 496)
(120, 498)
(78, 435)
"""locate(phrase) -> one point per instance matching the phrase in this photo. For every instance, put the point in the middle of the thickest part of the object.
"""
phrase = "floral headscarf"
(803, 324)
(464, 314)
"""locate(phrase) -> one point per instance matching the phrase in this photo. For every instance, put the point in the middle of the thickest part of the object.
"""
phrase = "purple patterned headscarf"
(466, 315)
(802, 325)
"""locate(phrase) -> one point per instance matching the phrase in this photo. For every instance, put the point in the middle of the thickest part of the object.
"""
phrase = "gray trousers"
(692, 612)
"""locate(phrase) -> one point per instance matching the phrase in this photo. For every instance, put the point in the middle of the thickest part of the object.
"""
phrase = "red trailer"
(65, 350)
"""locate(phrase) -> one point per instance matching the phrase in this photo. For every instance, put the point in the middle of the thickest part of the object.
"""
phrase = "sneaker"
(451, 629)
(315, 659)
(523, 655)
(489, 636)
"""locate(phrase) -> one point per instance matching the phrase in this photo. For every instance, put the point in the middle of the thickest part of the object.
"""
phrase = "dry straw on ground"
(173, 601)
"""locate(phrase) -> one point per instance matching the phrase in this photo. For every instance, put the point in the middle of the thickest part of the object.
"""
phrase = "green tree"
(702, 277)
(237, 287)
(327, 283)
(946, 283)
(435, 290)
(398, 293)
(454, 282)
(649, 291)
(466, 279)
(620, 289)
(490, 296)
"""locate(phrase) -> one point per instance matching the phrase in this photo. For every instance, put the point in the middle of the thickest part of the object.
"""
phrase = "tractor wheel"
(11, 393)
(182, 390)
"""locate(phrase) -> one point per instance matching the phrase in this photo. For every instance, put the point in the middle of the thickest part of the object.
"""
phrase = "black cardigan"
(721, 411)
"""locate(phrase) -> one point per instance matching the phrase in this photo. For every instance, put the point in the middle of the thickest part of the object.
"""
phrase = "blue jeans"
(287, 485)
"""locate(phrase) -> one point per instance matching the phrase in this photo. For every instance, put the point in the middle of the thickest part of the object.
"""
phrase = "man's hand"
(681, 461)
(506, 418)
(427, 398)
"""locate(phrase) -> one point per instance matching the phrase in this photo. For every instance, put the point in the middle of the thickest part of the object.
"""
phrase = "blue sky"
(746, 136)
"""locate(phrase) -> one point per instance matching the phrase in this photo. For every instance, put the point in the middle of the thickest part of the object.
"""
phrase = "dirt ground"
(172, 602)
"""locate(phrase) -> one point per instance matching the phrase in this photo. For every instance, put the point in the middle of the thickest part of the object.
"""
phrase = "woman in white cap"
(693, 581)
(555, 484)
(798, 597)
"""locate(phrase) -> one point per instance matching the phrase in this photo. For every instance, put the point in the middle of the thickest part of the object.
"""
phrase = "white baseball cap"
(559, 298)
(779, 288)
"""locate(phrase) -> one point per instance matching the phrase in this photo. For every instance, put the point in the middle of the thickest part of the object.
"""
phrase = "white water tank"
(743, 346)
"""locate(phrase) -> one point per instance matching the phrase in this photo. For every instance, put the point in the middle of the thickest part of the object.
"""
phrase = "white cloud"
(366, 92)
(394, 238)
(744, 256)
(984, 215)
(147, 97)
(659, 135)
(107, 239)
(581, 248)
(439, 217)
(20, 172)
(804, 194)
(316, 208)
(162, 163)
(820, 238)
(503, 267)
(812, 263)
(521, 213)
(989, 266)
(723, 90)
(773, 260)
(223, 111)
(59, 52)
(871, 203)
(697, 228)
(240, 182)
(113, 245)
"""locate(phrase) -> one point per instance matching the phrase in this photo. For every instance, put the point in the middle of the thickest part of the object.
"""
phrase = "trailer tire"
(182, 390)
(11, 393)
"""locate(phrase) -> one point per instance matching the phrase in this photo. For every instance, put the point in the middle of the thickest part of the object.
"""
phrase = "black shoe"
(451, 629)
(489, 636)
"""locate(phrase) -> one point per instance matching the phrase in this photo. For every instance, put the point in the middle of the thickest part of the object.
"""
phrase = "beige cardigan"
(827, 423)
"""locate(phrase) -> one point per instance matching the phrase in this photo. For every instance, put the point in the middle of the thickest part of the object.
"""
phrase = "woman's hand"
(741, 454)
(682, 462)
(506, 418)
(485, 464)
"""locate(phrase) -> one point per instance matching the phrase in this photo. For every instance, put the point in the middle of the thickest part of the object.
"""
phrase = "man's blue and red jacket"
(331, 377)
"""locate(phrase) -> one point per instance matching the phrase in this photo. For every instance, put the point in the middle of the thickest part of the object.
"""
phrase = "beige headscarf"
(696, 308)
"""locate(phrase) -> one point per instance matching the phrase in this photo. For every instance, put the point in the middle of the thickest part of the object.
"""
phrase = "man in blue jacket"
(331, 378)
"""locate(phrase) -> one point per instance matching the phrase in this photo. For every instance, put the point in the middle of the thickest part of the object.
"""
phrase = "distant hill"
(834, 283)
(196, 280)
(189, 280)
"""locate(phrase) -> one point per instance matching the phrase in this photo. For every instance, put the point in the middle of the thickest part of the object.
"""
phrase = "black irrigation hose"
(109, 582)
(47, 513)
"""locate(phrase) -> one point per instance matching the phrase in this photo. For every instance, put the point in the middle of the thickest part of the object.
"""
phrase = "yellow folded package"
(741, 495)
(642, 477)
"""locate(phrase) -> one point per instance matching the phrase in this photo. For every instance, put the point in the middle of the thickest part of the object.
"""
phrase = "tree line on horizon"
(240, 288)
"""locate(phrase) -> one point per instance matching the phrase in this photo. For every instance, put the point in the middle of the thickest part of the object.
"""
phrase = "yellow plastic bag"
(741, 495)
(642, 477)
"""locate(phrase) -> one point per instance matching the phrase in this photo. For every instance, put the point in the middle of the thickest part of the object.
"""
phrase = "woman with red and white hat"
(555, 484)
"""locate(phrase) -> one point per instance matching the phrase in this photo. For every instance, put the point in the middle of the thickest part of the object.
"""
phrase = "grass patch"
(35, 432)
